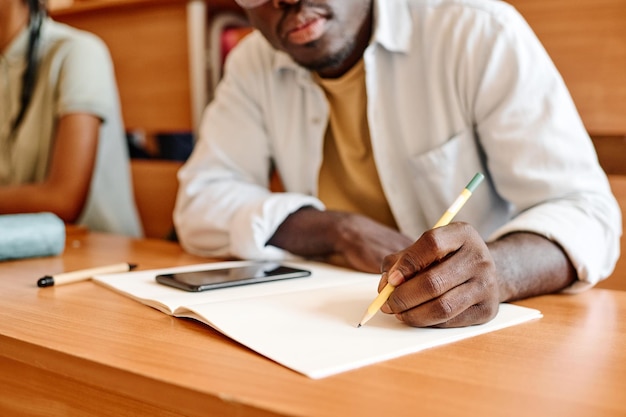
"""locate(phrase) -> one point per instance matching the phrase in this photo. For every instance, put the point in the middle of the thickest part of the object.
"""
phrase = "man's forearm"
(528, 264)
(307, 232)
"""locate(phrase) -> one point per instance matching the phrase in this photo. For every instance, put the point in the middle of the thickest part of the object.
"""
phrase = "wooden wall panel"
(587, 41)
(148, 44)
(618, 280)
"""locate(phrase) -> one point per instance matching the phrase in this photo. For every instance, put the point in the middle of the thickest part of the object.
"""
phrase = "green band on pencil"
(474, 182)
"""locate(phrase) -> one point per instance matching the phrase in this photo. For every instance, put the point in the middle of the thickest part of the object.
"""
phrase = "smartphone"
(230, 277)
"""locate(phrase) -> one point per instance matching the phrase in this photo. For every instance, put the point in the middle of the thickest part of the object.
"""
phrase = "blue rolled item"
(31, 235)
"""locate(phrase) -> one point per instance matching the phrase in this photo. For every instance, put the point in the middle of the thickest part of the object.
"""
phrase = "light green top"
(75, 74)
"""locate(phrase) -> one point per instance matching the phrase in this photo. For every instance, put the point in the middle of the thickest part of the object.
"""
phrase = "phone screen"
(230, 277)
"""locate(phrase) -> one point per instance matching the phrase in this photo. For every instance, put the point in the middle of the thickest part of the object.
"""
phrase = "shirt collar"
(392, 25)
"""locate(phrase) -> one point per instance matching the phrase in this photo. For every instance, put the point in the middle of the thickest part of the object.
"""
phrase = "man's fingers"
(433, 246)
(462, 306)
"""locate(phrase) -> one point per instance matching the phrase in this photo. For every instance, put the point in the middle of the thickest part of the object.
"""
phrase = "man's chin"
(327, 62)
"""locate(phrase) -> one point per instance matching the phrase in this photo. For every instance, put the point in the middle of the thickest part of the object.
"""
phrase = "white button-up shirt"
(454, 88)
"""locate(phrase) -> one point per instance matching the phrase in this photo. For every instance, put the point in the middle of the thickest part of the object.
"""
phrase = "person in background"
(376, 114)
(62, 142)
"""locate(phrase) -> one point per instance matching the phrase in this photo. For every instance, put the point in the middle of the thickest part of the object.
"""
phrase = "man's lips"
(306, 32)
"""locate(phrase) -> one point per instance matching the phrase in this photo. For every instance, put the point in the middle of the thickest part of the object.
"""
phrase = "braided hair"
(37, 10)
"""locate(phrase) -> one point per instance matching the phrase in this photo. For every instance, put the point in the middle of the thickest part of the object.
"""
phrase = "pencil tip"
(365, 319)
(359, 325)
(132, 266)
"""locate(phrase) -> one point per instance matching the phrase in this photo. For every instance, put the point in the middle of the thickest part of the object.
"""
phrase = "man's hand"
(340, 238)
(363, 244)
(447, 278)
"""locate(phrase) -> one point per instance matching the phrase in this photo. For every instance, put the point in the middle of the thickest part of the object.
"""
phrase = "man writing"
(376, 114)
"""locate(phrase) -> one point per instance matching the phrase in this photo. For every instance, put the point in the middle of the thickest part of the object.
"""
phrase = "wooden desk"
(85, 350)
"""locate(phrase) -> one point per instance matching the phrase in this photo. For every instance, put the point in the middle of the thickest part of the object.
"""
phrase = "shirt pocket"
(440, 174)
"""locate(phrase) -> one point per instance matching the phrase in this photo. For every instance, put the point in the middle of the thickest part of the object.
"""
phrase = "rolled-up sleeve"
(224, 206)
(541, 158)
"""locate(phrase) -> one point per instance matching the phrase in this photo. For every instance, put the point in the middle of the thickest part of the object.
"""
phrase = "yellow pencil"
(444, 220)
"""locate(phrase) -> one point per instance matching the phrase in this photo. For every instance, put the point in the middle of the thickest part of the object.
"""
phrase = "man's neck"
(13, 18)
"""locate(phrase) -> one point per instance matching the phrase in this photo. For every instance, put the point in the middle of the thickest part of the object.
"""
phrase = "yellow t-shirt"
(348, 178)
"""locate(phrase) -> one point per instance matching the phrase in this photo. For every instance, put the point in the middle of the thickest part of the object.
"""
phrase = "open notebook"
(306, 324)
